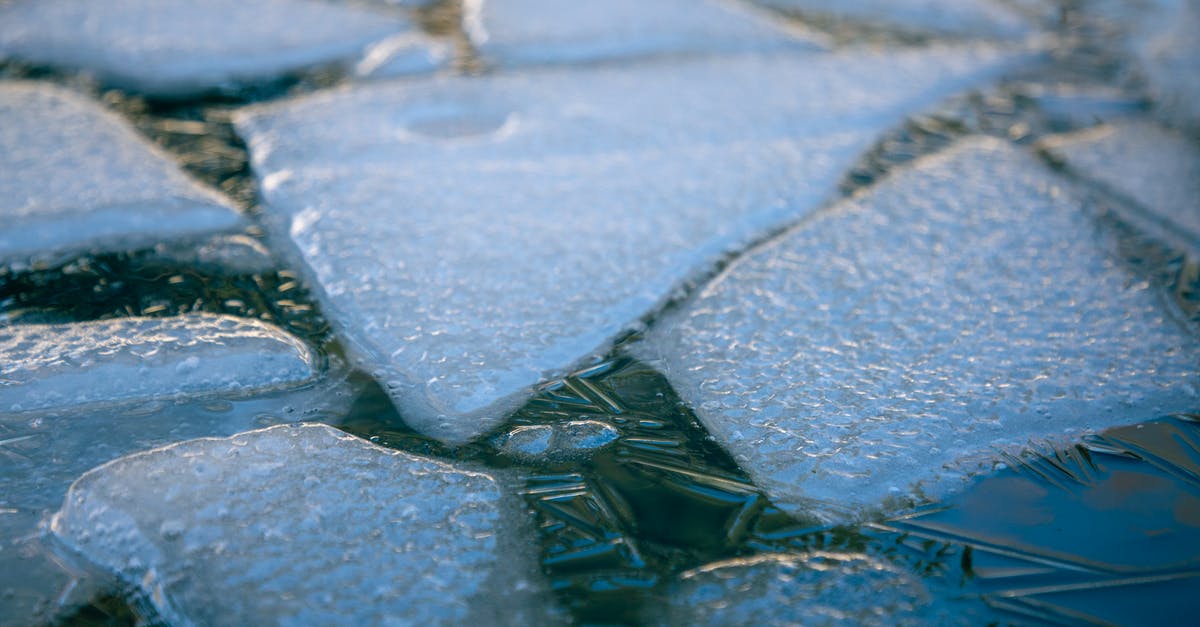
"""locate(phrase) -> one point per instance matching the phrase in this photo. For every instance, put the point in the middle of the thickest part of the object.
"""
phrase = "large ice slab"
(62, 365)
(303, 524)
(75, 178)
(471, 237)
(1154, 167)
(1167, 45)
(887, 345)
(986, 18)
(178, 48)
(521, 32)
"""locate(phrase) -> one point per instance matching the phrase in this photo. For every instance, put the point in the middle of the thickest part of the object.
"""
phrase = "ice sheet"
(889, 346)
(75, 178)
(304, 524)
(471, 237)
(982, 18)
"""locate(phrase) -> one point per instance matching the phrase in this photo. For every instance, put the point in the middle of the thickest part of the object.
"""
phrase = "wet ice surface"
(523, 32)
(106, 361)
(890, 345)
(580, 200)
(986, 18)
(77, 178)
(1154, 167)
(303, 524)
(177, 48)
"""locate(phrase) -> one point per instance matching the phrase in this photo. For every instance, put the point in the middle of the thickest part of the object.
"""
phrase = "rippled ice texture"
(64, 365)
(303, 524)
(76, 178)
(471, 237)
(519, 32)
(965, 304)
(179, 48)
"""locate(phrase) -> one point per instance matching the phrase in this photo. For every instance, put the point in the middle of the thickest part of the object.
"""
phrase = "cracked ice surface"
(303, 524)
(1155, 167)
(63, 365)
(965, 304)
(77, 178)
(178, 48)
(987, 18)
(819, 588)
(520, 32)
(473, 237)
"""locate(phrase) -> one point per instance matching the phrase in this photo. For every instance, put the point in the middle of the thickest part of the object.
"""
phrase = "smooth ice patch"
(984, 18)
(471, 237)
(303, 524)
(889, 344)
(177, 48)
(1156, 168)
(522, 32)
(106, 361)
(75, 178)
(818, 588)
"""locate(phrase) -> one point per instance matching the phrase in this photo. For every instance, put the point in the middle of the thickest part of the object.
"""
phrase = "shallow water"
(1065, 533)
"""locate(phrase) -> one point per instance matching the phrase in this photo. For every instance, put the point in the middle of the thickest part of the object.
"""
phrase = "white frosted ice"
(305, 525)
(986, 18)
(884, 347)
(178, 48)
(75, 178)
(521, 32)
(63, 365)
(818, 588)
(471, 237)
(1156, 168)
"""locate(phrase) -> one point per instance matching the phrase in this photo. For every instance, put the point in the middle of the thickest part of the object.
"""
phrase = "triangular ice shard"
(180, 48)
(883, 347)
(305, 525)
(75, 178)
(471, 237)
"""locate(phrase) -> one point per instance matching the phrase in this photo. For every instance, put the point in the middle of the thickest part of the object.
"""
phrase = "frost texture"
(520, 32)
(986, 18)
(62, 365)
(178, 48)
(472, 237)
(1156, 168)
(77, 178)
(819, 588)
(301, 525)
(964, 305)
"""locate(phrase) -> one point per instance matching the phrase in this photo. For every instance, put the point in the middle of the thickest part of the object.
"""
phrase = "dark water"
(1089, 532)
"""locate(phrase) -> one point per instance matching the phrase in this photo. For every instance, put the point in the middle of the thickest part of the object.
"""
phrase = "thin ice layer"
(878, 350)
(985, 18)
(1154, 167)
(521, 32)
(64, 365)
(305, 525)
(471, 237)
(178, 48)
(75, 178)
(818, 588)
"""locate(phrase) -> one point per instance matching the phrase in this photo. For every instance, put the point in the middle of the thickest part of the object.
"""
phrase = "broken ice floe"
(64, 365)
(180, 48)
(1156, 168)
(893, 342)
(471, 237)
(524, 32)
(982, 18)
(304, 524)
(818, 588)
(76, 178)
